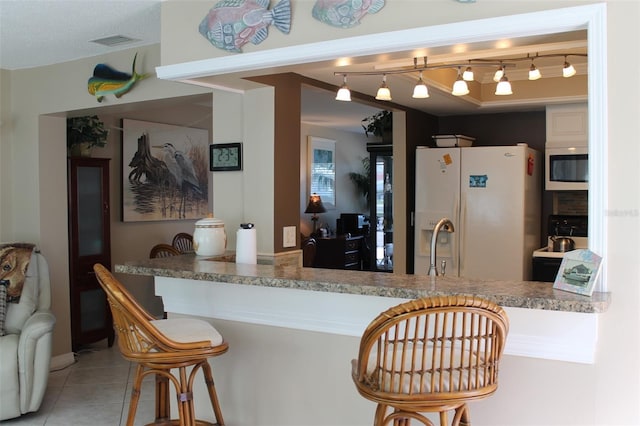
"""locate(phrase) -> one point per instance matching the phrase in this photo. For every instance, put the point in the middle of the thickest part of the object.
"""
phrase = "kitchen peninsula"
(545, 323)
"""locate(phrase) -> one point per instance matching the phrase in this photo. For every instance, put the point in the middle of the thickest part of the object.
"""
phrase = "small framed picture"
(225, 157)
(578, 272)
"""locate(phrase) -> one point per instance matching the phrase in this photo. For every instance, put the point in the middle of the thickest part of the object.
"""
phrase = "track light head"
(498, 74)
(467, 75)
(384, 93)
(534, 73)
(568, 70)
(460, 87)
(420, 91)
(344, 94)
(503, 87)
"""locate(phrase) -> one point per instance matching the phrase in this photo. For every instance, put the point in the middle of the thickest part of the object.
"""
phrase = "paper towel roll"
(246, 246)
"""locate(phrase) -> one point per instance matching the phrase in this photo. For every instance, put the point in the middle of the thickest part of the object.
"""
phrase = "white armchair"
(25, 349)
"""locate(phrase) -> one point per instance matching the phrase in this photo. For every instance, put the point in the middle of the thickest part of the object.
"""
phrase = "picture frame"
(164, 172)
(321, 155)
(578, 272)
(224, 157)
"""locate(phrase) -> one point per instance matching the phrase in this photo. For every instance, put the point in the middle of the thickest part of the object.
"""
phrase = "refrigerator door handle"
(462, 228)
(455, 258)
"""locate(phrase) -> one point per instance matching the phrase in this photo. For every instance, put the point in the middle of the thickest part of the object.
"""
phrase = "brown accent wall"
(286, 203)
(499, 129)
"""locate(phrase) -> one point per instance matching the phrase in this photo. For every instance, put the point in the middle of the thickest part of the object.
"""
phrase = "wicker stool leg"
(378, 419)
(163, 406)
(208, 378)
(462, 415)
(135, 395)
(444, 418)
(185, 400)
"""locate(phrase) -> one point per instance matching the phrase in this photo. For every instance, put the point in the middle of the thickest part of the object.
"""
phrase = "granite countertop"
(518, 294)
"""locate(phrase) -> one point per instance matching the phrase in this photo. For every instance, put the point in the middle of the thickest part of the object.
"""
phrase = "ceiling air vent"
(114, 40)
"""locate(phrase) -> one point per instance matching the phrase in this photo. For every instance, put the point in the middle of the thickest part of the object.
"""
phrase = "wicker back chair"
(431, 355)
(158, 346)
(163, 250)
(308, 252)
(183, 242)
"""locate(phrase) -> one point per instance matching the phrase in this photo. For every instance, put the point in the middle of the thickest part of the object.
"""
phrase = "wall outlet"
(289, 236)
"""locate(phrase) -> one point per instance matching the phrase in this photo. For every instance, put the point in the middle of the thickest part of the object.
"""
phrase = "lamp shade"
(344, 94)
(460, 87)
(315, 204)
(504, 87)
(568, 70)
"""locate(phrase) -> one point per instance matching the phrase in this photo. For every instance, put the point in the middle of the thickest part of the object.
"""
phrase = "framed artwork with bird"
(165, 172)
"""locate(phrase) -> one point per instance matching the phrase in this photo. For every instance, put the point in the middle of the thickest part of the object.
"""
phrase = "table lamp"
(315, 206)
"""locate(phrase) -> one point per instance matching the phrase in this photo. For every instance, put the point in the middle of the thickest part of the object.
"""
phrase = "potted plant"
(83, 133)
(379, 124)
(362, 179)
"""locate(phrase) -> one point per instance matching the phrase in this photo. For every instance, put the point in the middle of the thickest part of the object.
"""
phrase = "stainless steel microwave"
(566, 167)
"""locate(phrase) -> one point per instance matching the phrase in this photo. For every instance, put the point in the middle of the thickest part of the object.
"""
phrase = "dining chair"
(308, 252)
(163, 250)
(183, 242)
(430, 355)
(174, 350)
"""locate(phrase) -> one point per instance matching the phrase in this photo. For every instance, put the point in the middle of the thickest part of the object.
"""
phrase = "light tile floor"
(94, 391)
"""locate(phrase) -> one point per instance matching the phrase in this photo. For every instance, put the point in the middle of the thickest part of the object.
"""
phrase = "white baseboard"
(62, 361)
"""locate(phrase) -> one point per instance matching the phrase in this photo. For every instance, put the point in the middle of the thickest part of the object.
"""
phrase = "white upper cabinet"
(567, 123)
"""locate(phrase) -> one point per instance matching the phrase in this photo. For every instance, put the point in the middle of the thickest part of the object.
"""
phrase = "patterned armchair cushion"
(18, 313)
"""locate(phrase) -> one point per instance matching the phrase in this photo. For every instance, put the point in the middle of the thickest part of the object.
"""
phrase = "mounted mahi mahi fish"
(107, 81)
(231, 24)
(344, 13)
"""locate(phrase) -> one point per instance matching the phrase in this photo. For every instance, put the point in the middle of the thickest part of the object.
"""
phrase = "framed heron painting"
(165, 172)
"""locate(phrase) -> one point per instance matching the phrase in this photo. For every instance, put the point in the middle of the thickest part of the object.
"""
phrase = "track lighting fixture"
(420, 91)
(344, 94)
(460, 86)
(384, 93)
(568, 70)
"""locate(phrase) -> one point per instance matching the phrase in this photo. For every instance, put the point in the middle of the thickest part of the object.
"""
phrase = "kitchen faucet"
(445, 224)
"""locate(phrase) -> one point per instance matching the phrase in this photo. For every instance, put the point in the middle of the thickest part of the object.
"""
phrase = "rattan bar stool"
(160, 346)
(430, 355)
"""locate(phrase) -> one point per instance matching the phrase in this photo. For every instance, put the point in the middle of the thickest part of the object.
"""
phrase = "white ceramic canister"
(209, 237)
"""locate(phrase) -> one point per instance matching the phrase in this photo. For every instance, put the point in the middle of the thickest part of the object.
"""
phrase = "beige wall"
(397, 14)
(34, 206)
(5, 152)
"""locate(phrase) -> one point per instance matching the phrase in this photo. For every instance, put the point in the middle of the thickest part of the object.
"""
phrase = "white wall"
(351, 148)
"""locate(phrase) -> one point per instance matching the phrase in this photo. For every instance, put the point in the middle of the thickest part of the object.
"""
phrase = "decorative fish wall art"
(344, 13)
(231, 24)
(107, 81)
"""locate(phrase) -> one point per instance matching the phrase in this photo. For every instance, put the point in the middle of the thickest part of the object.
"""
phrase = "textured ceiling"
(43, 32)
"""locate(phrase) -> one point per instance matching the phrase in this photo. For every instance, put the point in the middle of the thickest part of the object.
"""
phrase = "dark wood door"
(89, 243)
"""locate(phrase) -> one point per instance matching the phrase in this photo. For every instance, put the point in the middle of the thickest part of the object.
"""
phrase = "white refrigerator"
(492, 195)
